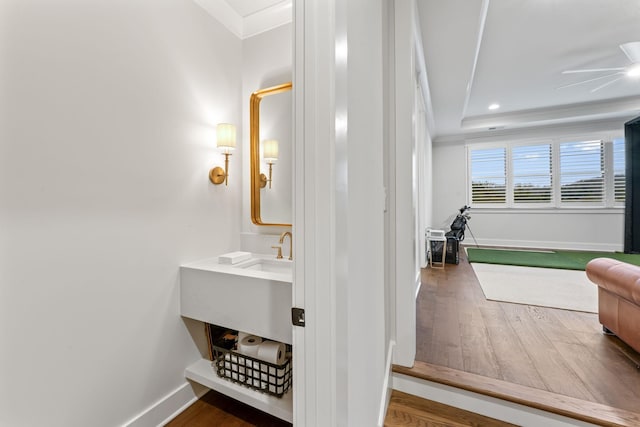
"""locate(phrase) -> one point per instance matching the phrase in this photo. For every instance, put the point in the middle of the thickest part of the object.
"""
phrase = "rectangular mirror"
(271, 140)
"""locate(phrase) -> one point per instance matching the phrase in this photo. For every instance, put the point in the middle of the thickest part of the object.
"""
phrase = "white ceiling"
(510, 52)
(513, 52)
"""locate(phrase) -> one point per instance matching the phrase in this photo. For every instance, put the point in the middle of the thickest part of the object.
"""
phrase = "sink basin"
(253, 296)
(282, 266)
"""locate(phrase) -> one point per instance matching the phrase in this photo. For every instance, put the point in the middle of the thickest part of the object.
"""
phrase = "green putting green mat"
(567, 260)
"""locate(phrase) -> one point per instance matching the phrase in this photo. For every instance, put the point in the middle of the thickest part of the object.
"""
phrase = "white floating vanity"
(252, 296)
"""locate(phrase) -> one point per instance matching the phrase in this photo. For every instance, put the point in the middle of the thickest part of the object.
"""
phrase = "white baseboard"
(386, 386)
(170, 406)
(484, 405)
(541, 244)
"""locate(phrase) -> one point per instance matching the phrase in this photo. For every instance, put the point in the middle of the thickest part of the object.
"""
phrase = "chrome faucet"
(282, 236)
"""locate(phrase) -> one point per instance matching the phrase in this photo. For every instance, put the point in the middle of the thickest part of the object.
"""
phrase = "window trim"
(612, 171)
(556, 203)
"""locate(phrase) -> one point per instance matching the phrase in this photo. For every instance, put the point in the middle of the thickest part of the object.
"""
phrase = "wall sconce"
(226, 142)
(270, 155)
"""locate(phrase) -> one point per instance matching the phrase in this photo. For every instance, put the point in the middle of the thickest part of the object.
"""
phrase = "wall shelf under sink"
(252, 296)
(203, 373)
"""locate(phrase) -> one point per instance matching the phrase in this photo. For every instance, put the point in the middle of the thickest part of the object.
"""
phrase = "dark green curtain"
(632, 186)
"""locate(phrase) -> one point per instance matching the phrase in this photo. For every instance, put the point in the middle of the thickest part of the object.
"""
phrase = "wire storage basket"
(257, 374)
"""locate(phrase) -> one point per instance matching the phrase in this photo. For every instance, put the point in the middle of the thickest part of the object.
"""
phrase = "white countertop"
(239, 269)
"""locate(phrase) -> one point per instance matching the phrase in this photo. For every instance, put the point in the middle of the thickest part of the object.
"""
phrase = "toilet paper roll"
(272, 352)
(249, 345)
(241, 335)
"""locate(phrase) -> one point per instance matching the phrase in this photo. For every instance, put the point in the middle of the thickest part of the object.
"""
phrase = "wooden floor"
(555, 360)
(408, 410)
(215, 409)
(552, 350)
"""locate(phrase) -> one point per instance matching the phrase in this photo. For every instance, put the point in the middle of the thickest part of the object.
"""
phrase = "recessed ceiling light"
(494, 106)
(634, 71)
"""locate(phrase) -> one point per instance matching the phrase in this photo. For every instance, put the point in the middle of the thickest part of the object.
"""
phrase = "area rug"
(555, 288)
(566, 260)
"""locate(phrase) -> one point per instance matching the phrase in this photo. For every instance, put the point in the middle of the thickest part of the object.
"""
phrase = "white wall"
(363, 196)
(422, 169)
(601, 229)
(267, 61)
(449, 182)
(404, 185)
(107, 116)
(339, 210)
(428, 187)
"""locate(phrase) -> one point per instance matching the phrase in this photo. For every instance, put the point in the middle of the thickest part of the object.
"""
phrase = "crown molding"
(268, 19)
(222, 12)
(586, 111)
(580, 126)
(250, 25)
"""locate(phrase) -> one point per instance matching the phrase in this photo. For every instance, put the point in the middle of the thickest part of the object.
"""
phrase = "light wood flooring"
(408, 410)
(557, 351)
(217, 410)
(554, 360)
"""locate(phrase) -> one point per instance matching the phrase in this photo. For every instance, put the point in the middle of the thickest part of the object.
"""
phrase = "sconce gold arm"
(218, 175)
(264, 179)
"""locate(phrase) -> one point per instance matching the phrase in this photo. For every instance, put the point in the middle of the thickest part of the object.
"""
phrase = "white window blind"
(488, 175)
(531, 165)
(558, 174)
(618, 170)
(581, 172)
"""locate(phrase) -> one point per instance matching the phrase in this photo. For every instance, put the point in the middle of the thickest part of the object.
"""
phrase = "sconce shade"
(270, 150)
(226, 137)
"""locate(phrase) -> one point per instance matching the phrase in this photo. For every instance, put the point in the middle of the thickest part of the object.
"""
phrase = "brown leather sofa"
(618, 298)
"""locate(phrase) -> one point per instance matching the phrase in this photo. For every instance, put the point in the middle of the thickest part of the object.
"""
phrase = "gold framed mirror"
(270, 113)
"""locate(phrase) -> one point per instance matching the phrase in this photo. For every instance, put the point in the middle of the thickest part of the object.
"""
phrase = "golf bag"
(459, 224)
(454, 237)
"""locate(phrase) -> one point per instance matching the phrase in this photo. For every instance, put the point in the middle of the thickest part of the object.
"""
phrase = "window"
(488, 175)
(560, 174)
(618, 170)
(581, 171)
(532, 173)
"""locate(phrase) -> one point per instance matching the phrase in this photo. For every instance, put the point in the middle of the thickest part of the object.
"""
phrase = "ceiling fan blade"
(592, 70)
(632, 50)
(588, 81)
(606, 84)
